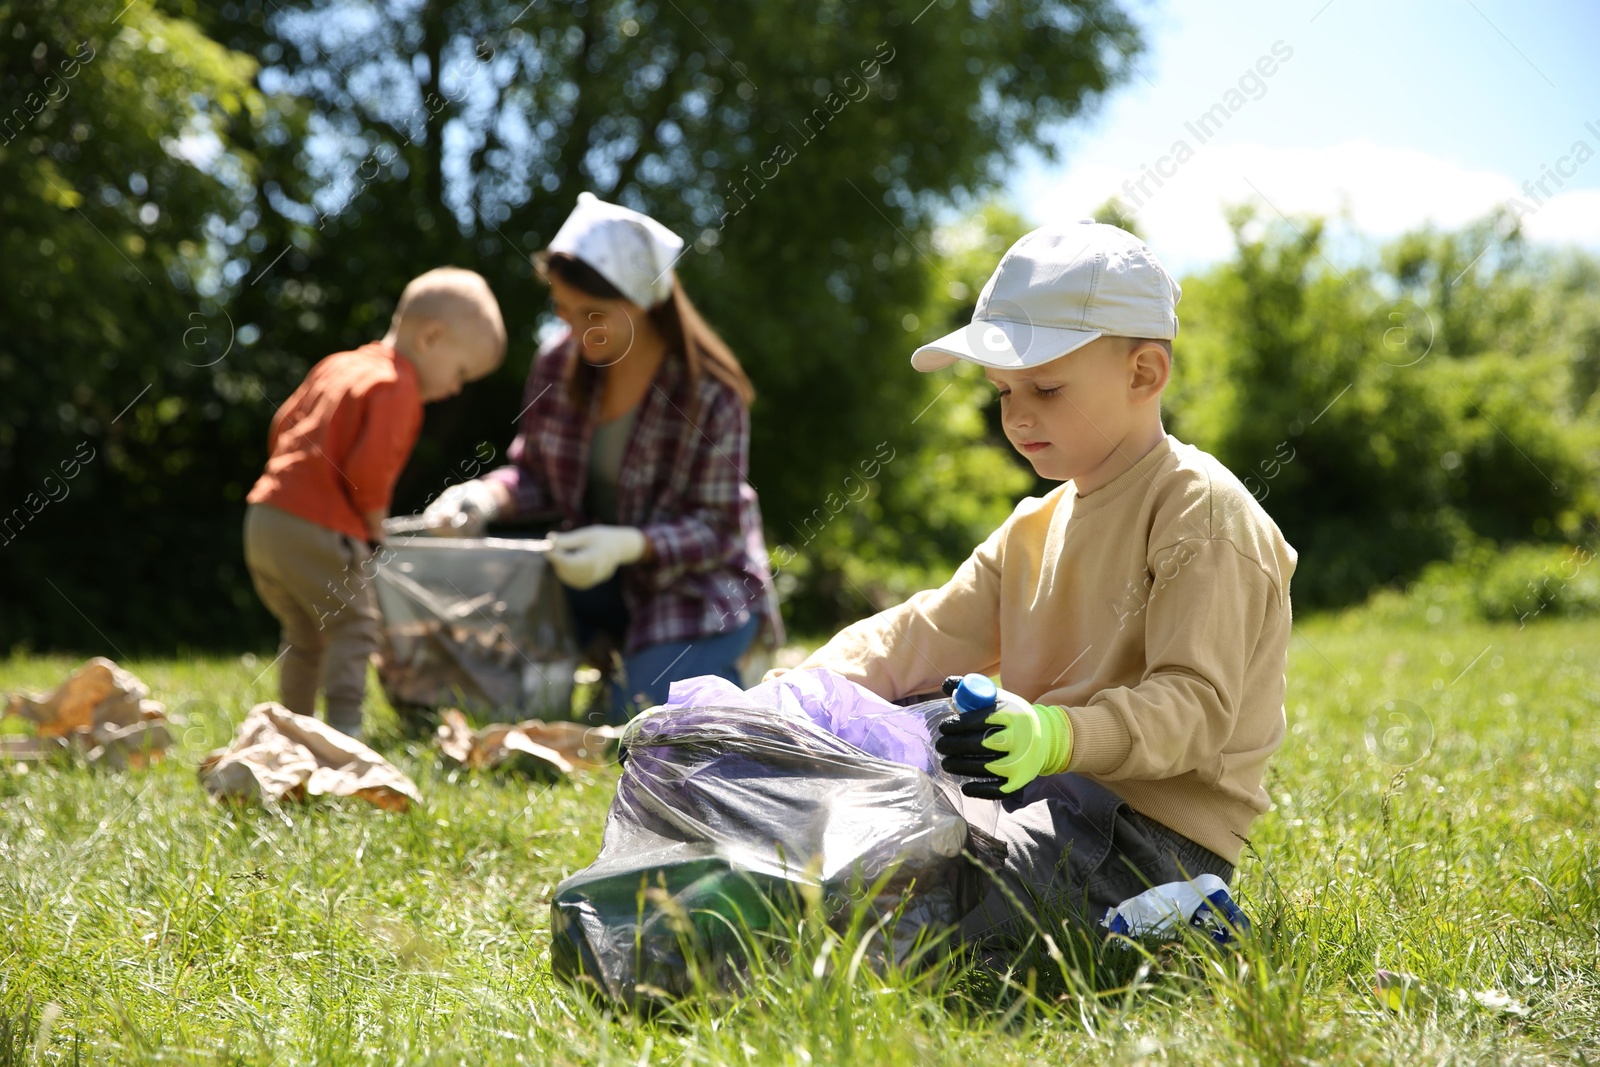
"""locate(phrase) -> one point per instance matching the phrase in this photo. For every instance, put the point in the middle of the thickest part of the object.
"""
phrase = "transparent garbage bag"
(726, 819)
(476, 623)
(843, 708)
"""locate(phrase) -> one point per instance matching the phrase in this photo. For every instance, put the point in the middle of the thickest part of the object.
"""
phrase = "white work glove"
(463, 510)
(584, 558)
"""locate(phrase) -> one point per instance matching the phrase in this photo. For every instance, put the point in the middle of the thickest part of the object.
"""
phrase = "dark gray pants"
(1073, 849)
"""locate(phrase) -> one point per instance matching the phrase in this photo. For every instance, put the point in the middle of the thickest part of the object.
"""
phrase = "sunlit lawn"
(1435, 815)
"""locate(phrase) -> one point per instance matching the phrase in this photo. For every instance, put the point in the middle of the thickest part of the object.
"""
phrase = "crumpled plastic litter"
(726, 819)
(100, 712)
(276, 754)
(838, 705)
(563, 747)
(1202, 903)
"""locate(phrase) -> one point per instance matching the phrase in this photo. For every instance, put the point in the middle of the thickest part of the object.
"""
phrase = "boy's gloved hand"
(1005, 747)
(586, 557)
(464, 509)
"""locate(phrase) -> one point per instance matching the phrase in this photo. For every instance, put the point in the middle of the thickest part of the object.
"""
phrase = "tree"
(1384, 416)
(804, 151)
(952, 472)
(113, 443)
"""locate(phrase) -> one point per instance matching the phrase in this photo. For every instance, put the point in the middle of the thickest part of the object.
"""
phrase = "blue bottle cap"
(975, 693)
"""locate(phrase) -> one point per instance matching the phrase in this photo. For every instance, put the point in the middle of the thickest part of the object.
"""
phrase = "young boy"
(335, 449)
(1138, 615)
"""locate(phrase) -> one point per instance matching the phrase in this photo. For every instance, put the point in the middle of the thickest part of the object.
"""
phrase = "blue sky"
(1388, 115)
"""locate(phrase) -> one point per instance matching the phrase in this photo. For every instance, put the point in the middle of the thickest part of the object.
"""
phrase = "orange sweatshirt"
(1155, 610)
(339, 443)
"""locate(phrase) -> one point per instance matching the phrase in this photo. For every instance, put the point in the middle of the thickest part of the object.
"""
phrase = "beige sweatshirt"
(1155, 610)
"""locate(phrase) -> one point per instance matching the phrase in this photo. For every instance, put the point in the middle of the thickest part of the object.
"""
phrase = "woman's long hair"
(689, 337)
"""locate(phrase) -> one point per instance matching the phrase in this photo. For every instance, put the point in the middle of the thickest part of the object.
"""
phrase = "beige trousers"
(317, 582)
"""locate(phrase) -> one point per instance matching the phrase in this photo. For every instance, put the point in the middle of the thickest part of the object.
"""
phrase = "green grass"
(139, 922)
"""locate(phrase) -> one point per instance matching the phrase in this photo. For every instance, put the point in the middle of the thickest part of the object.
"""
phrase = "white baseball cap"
(632, 251)
(1057, 289)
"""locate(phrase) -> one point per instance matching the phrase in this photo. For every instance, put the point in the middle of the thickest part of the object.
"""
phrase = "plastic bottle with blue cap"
(999, 739)
(971, 692)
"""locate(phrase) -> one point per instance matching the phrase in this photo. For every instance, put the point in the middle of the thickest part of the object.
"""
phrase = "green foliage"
(1521, 584)
(115, 443)
(1362, 408)
(1457, 844)
(944, 482)
(1112, 214)
(802, 152)
(333, 149)
(200, 201)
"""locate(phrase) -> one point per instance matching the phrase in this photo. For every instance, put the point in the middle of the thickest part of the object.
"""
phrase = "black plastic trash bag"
(724, 816)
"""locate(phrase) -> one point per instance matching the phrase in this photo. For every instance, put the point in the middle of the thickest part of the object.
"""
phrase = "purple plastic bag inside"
(838, 705)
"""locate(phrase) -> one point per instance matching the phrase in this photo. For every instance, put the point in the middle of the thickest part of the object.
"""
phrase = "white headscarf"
(633, 252)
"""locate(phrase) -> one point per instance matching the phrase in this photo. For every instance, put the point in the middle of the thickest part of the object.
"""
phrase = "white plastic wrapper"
(1201, 902)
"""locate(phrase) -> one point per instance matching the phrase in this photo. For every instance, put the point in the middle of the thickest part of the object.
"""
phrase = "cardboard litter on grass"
(563, 747)
(276, 754)
(101, 712)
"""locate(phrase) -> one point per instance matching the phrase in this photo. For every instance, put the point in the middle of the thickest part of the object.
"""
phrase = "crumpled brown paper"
(561, 746)
(100, 711)
(276, 754)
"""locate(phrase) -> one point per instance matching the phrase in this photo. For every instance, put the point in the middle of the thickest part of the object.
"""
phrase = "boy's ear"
(429, 333)
(1150, 367)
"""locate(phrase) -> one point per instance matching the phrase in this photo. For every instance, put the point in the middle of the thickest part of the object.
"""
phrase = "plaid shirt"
(682, 483)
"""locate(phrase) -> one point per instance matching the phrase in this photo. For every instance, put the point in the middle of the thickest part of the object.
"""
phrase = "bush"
(1520, 584)
(1379, 432)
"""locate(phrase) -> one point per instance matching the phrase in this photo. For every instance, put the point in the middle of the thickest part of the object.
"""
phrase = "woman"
(636, 429)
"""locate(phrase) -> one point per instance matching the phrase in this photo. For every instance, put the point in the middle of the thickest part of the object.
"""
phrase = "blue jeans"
(649, 672)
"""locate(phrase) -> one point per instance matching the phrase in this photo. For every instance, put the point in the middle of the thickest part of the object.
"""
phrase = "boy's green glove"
(1029, 740)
